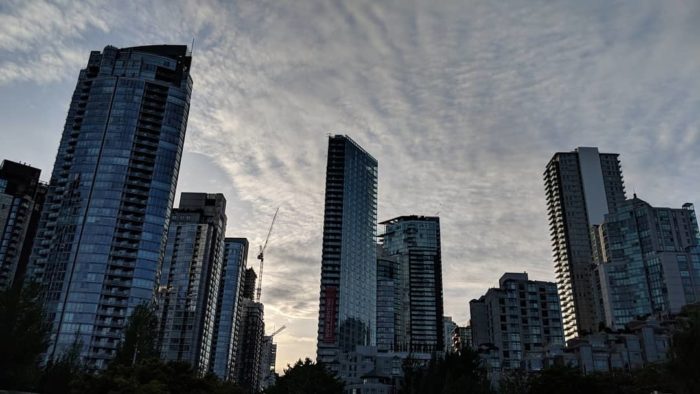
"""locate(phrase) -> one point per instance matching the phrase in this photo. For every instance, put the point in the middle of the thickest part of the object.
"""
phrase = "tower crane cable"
(261, 256)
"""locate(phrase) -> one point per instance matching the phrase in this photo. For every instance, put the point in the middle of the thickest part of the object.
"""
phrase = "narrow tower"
(347, 310)
(190, 279)
(581, 186)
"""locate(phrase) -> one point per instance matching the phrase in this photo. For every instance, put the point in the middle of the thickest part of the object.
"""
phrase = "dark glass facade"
(227, 323)
(248, 359)
(103, 227)
(390, 315)
(249, 282)
(647, 260)
(21, 200)
(347, 310)
(414, 243)
(581, 187)
(190, 278)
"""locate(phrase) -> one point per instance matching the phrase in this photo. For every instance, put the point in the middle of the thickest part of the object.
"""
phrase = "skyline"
(468, 136)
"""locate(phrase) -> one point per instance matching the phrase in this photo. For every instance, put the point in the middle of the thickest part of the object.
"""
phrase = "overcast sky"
(462, 103)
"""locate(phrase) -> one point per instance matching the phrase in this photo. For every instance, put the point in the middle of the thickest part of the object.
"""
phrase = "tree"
(153, 376)
(456, 373)
(560, 379)
(306, 377)
(60, 375)
(140, 337)
(24, 335)
(685, 351)
(514, 382)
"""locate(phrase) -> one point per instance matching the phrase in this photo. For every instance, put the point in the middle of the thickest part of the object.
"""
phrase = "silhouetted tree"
(514, 382)
(140, 337)
(59, 376)
(306, 377)
(685, 352)
(456, 373)
(153, 376)
(561, 380)
(24, 334)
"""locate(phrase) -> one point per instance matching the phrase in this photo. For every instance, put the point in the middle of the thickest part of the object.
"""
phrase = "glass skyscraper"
(227, 324)
(103, 227)
(347, 310)
(414, 243)
(189, 283)
(581, 187)
(647, 261)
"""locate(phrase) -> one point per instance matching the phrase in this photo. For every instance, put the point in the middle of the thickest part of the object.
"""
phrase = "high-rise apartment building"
(268, 359)
(103, 227)
(347, 309)
(414, 243)
(248, 359)
(21, 200)
(246, 369)
(389, 307)
(190, 278)
(521, 318)
(647, 261)
(250, 280)
(227, 324)
(581, 187)
(449, 328)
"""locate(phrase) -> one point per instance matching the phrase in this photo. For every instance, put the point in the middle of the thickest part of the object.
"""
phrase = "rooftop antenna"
(192, 47)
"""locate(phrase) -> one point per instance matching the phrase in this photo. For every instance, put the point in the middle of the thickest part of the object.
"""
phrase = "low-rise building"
(521, 319)
(641, 343)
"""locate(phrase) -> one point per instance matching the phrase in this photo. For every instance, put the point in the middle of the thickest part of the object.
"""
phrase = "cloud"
(462, 103)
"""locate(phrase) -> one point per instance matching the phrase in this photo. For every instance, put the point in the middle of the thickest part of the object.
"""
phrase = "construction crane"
(279, 330)
(262, 258)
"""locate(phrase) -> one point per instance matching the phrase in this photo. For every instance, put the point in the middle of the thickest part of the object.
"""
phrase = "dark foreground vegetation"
(136, 369)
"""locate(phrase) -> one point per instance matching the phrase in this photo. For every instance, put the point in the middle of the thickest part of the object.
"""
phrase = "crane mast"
(261, 257)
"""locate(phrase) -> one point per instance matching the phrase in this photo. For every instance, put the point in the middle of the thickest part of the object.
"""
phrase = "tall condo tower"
(21, 200)
(190, 279)
(347, 310)
(246, 371)
(414, 243)
(581, 187)
(103, 227)
(227, 325)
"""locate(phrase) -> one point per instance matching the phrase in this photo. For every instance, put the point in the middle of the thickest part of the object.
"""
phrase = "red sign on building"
(329, 316)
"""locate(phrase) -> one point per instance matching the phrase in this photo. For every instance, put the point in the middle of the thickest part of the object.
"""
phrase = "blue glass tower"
(227, 324)
(103, 226)
(347, 311)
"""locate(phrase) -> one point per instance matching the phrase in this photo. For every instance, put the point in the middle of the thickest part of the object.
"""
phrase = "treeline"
(24, 334)
(464, 373)
(136, 368)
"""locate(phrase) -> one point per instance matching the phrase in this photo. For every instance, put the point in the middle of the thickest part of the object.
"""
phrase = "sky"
(462, 103)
